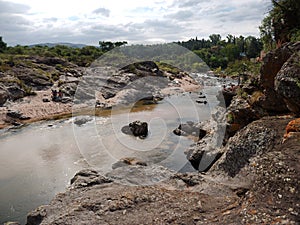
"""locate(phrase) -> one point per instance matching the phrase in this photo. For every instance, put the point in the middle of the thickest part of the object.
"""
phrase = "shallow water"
(38, 161)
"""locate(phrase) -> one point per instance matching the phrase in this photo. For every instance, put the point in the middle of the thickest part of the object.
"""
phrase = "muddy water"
(37, 161)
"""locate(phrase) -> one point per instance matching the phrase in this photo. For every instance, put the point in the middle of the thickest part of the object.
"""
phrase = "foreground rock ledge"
(264, 189)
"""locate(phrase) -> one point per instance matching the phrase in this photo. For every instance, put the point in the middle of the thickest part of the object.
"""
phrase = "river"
(38, 161)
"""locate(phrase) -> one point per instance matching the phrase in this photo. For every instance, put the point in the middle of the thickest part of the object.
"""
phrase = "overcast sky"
(136, 21)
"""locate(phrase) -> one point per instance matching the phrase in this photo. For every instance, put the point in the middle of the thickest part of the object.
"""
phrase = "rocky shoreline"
(28, 97)
(251, 178)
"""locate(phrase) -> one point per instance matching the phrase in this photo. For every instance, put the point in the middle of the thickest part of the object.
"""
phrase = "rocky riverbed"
(247, 157)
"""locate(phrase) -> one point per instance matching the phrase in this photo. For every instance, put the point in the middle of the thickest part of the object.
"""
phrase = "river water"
(38, 161)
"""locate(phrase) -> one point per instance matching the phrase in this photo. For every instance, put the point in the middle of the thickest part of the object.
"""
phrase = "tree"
(215, 38)
(3, 45)
(282, 22)
(253, 46)
(106, 46)
(231, 52)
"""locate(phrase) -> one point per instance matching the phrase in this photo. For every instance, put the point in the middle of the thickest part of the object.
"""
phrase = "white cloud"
(136, 21)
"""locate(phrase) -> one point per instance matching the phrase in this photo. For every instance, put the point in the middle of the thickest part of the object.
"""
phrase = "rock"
(66, 99)
(3, 95)
(225, 97)
(46, 100)
(52, 61)
(68, 89)
(82, 120)
(147, 68)
(108, 93)
(201, 102)
(88, 177)
(34, 80)
(189, 128)
(287, 82)
(240, 113)
(12, 223)
(272, 63)
(207, 150)
(201, 156)
(128, 162)
(137, 129)
(255, 139)
(36, 217)
(15, 92)
(293, 126)
(270, 101)
(22, 117)
(14, 114)
(139, 175)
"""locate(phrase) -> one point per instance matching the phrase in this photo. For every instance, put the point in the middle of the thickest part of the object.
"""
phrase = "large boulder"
(287, 82)
(254, 140)
(273, 62)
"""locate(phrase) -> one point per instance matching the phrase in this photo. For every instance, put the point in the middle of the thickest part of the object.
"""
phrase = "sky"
(28, 22)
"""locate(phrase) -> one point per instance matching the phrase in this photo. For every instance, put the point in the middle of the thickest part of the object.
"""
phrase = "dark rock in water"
(137, 129)
(82, 120)
(14, 114)
(128, 162)
(201, 102)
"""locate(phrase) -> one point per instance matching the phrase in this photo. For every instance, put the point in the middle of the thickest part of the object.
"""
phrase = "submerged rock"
(128, 161)
(82, 120)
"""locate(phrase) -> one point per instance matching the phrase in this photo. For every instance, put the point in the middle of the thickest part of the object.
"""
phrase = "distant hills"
(71, 45)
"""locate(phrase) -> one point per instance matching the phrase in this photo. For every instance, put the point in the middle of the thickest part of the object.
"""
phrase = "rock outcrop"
(287, 82)
(280, 80)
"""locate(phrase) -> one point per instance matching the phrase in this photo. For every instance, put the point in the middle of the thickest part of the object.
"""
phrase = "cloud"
(102, 11)
(134, 22)
(11, 7)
